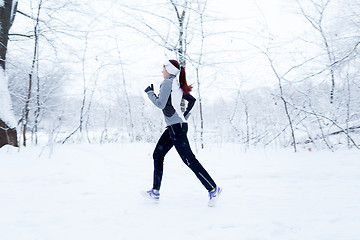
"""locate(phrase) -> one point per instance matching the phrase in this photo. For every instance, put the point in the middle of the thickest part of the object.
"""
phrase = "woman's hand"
(149, 88)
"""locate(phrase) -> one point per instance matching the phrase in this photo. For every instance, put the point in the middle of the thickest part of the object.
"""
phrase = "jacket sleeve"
(191, 101)
(165, 90)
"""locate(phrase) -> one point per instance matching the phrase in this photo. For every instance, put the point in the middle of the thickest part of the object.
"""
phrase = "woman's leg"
(162, 147)
(179, 138)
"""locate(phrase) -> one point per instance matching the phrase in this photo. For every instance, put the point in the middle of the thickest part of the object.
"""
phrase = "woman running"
(171, 92)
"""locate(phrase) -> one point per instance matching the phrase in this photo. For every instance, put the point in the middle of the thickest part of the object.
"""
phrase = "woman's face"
(165, 73)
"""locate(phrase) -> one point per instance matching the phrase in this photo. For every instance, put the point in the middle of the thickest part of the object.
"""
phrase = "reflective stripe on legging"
(206, 180)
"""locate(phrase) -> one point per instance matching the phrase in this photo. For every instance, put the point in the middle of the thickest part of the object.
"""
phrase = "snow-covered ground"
(92, 192)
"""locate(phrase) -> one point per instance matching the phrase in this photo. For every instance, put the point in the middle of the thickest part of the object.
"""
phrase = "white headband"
(170, 68)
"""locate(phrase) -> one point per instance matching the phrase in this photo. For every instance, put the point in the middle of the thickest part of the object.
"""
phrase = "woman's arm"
(165, 90)
(191, 101)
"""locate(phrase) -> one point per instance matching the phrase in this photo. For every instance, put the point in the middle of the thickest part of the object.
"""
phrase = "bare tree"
(282, 97)
(84, 101)
(197, 64)
(8, 134)
(128, 105)
(317, 22)
(33, 72)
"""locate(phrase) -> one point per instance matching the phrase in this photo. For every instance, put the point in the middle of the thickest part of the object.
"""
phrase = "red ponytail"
(183, 84)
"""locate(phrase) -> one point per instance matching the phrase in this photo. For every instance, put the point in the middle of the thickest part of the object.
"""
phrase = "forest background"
(278, 74)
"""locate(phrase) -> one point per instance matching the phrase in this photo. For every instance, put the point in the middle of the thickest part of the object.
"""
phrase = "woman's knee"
(189, 159)
(158, 154)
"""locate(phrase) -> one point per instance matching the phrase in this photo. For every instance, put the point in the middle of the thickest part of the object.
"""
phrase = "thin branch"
(21, 35)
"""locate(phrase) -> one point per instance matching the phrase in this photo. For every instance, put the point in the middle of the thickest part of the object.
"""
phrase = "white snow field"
(91, 192)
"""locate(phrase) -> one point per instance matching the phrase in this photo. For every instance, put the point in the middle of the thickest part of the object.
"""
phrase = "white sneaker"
(214, 196)
(151, 194)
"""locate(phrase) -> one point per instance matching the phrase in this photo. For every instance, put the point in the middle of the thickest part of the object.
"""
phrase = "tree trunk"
(8, 133)
(181, 49)
(25, 117)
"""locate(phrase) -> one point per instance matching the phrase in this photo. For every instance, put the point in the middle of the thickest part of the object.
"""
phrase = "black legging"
(175, 135)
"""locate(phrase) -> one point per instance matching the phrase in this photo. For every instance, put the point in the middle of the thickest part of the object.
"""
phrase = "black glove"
(149, 88)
